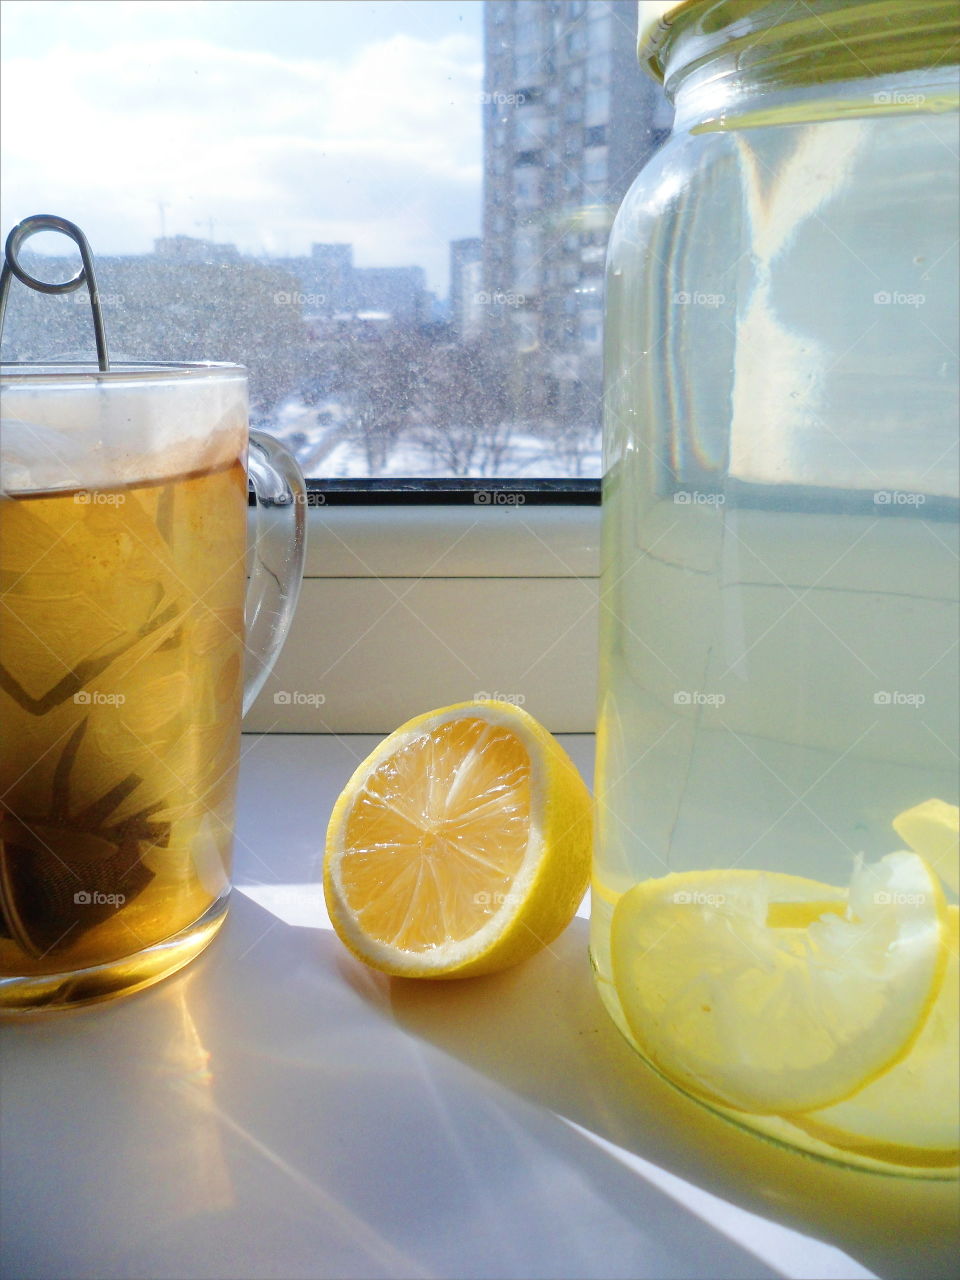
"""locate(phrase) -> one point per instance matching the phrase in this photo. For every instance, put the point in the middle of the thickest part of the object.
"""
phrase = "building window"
(595, 166)
(526, 187)
(576, 43)
(526, 67)
(529, 131)
(597, 106)
(595, 136)
(599, 31)
(527, 29)
(598, 71)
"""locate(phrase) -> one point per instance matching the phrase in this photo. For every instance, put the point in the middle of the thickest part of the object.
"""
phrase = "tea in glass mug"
(123, 549)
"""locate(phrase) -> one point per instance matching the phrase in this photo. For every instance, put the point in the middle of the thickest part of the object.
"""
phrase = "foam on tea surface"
(70, 428)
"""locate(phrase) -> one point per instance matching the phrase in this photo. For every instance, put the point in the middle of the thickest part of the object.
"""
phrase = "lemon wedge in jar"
(910, 1114)
(932, 829)
(774, 994)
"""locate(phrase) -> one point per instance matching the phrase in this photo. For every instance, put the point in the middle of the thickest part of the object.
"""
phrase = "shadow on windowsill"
(541, 1031)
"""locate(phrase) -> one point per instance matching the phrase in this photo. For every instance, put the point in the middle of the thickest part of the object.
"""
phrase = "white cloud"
(382, 149)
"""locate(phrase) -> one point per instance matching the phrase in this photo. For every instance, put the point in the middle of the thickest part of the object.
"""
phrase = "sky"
(271, 124)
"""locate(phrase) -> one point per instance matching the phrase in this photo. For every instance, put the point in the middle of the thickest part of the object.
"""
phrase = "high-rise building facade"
(569, 119)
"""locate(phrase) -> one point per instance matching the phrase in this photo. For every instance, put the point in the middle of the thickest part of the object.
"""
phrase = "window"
(526, 34)
(599, 30)
(530, 129)
(595, 165)
(598, 71)
(526, 187)
(297, 208)
(527, 67)
(576, 42)
(597, 107)
(526, 261)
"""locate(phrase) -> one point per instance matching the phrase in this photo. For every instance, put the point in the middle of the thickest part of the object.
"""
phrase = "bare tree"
(376, 374)
(460, 411)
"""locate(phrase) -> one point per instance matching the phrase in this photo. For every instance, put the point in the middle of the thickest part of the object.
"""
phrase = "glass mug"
(123, 642)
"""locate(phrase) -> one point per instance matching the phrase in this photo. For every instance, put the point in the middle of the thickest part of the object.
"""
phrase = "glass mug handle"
(276, 557)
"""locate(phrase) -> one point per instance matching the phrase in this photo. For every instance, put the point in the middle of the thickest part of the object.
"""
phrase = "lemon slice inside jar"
(774, 994)
(932, 829)
(910, 1114)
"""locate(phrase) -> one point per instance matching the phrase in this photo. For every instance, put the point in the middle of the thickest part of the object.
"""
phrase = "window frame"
(452, 491)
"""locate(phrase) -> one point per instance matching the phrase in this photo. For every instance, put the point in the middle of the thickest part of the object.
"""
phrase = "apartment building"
(569, 120)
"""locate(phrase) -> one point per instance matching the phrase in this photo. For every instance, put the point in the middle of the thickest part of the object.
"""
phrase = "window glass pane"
(597, 107)
(395, 214)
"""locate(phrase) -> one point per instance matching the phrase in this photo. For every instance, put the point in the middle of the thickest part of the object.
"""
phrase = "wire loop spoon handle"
(11, 267)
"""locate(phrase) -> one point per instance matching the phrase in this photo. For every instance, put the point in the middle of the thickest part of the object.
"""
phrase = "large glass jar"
(774, 900)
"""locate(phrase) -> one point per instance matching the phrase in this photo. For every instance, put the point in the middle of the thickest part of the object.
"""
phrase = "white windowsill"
(278, 1109)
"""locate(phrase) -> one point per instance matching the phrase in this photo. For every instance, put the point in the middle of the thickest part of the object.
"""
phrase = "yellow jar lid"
(654, 20)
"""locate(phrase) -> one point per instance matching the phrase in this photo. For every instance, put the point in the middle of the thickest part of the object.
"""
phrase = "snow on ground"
(320, 440)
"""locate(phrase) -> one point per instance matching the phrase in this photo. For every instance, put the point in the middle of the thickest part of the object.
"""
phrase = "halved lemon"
(732, 991)
(911, 1113)
(932, 829)
(460, 846)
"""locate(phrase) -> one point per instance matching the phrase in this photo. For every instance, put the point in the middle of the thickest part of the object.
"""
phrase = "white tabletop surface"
(278, 1110)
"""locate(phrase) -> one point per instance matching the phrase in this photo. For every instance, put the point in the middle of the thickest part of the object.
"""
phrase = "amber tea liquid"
(121, 647)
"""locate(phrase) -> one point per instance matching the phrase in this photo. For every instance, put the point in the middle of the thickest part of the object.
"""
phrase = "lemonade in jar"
(774, 905)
